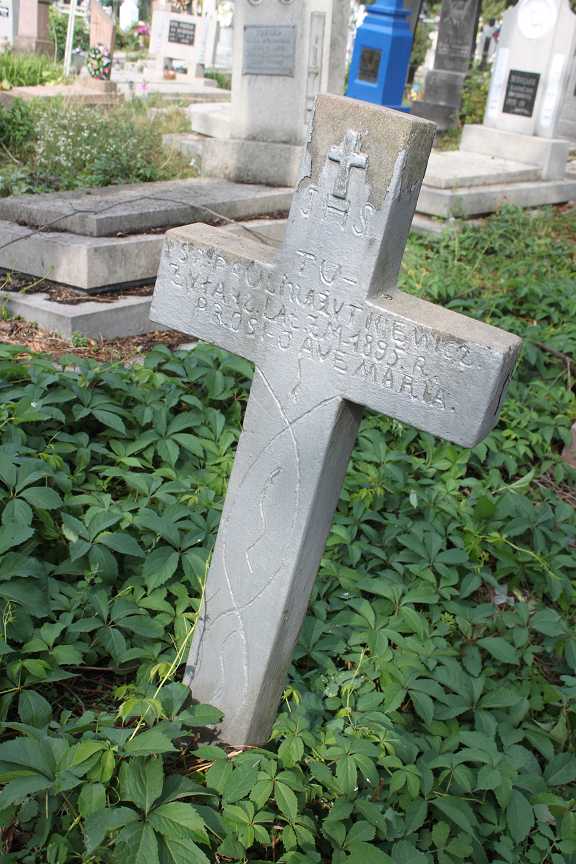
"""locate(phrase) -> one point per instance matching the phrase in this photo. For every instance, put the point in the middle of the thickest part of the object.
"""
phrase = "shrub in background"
(58, 30)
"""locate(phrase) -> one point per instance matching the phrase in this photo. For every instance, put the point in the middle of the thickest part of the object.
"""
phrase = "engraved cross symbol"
(329, 333)
(348, 158)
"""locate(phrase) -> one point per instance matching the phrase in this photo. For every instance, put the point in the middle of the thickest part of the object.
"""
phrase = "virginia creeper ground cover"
(429, 713)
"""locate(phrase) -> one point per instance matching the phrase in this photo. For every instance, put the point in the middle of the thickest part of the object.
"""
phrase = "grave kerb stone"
(328, 332)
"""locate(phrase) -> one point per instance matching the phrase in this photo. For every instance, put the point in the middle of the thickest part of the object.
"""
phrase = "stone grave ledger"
(329, 333)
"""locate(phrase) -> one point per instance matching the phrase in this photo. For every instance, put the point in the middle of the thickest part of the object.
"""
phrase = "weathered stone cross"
(329, 333)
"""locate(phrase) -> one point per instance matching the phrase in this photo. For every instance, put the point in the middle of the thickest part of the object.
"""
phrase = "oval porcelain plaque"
(536, 18)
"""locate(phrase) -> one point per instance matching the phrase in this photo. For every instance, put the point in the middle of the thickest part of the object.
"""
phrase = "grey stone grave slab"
(126, 316)
(123, 316)
(329, 333)
(138, 207)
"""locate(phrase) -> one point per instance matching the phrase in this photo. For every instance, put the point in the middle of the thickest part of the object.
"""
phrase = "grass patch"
(51, 144)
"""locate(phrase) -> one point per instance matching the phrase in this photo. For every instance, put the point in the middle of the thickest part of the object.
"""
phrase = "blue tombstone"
(381, 54)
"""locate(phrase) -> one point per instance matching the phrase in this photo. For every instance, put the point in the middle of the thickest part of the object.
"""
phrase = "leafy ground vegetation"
(51, 144)
(429, 713)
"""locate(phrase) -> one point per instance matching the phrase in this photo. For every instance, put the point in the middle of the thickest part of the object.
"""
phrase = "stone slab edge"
(477, 200)
(127, 316)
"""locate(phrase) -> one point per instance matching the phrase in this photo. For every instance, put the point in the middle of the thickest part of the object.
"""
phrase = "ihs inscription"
(310, 315)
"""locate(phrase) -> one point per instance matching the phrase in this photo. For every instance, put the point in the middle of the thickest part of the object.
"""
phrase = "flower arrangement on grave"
(180, 5)
(99, 63)
(225, 14)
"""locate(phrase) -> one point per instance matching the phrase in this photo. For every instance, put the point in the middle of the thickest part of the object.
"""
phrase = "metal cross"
(329, 333)
(348, 159)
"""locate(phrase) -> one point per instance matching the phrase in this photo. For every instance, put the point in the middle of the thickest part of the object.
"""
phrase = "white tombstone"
(285, 53)
(567, 119)
(128, 14)
(8, 21)
(529, 78)
(183, 35)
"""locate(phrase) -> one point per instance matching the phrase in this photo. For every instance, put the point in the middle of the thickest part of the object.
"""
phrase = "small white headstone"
(532, 67)
(128, 14)
(183, 35)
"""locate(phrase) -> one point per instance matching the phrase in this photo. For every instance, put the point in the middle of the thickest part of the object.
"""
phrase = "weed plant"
(54, 144)
(429, 713)
(27, 70)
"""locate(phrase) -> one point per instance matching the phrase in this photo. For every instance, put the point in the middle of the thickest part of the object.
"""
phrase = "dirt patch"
(129, 348)
(18, 284)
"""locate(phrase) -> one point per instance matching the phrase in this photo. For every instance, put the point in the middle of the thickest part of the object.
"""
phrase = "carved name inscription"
(255, 311)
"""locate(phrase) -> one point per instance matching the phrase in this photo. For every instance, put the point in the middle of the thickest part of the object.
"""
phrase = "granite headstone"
(102, 28)
(567, 118)
(528, 89)
(284, 54)
(456, 43)
(186, 35)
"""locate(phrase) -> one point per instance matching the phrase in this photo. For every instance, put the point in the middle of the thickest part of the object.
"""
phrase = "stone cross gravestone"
(329, 333)
(456, 43)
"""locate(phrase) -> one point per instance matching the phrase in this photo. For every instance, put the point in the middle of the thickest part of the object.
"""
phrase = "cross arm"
(428, 366)
(209, 285)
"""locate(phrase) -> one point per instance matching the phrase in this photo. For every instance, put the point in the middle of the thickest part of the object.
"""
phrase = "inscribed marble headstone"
(531, 69)
(284, 54)
(186, 35)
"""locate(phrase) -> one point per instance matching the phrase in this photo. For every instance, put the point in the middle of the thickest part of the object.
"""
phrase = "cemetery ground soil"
(429, 713)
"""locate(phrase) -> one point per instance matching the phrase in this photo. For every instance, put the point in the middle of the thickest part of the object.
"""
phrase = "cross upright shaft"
(329, 333)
